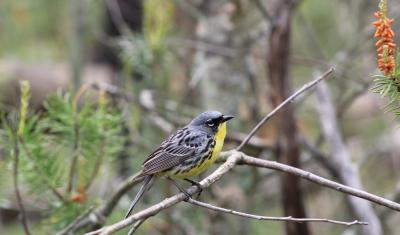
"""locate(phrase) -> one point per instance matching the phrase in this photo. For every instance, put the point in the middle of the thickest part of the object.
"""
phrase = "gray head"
(210, 120)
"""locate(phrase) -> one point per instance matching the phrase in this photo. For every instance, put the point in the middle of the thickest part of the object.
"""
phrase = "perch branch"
(232, 158)
(252, 161)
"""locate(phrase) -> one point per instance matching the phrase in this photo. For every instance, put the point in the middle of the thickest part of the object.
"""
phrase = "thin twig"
(42, 175)
(283, 104)
(16, 185)
(135, 226)
(72, 225)
(259, 217)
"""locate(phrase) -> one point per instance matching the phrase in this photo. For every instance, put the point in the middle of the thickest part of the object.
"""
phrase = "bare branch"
(259, 217)
(283, 104)
(252, 161)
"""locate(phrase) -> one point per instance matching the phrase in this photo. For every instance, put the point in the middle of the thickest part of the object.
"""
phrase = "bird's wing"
(172, 152)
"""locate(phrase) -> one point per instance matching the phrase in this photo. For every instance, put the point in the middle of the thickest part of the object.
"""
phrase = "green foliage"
(390, 88)
(62, 149)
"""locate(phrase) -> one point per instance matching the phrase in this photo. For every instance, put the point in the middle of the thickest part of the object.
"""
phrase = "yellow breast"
(219, 139)
(219, 143)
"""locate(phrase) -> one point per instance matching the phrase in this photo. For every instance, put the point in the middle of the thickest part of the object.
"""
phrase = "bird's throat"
(219, 140)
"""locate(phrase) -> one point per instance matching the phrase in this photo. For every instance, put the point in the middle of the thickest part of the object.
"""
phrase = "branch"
(283, 104)
(252, 161)
(232, 158)
(259, 217)
(16, 185)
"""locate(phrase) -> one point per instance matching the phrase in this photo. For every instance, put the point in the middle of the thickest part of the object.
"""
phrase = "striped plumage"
(179, 154)
(187, 152)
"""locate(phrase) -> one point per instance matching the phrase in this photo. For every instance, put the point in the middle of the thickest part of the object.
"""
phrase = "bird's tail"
(142, 189)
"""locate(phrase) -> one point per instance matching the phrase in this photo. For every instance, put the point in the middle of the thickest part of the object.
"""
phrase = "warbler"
(186, 153)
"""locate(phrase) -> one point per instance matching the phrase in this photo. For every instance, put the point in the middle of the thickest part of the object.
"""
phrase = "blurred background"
(111, 79)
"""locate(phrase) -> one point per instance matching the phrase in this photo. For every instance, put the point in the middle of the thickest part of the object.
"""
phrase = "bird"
(185, 153)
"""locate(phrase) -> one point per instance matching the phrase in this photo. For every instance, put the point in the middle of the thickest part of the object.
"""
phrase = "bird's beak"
(226, 118)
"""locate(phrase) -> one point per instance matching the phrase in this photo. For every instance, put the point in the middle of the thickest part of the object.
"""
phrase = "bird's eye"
(210, 123)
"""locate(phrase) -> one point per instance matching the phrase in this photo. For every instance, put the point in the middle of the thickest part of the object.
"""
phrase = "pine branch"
(72, 169)
(41, 174)
(16, 185)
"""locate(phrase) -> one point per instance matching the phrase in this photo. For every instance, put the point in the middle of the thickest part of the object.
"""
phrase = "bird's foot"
(181, 189)
(195, 183)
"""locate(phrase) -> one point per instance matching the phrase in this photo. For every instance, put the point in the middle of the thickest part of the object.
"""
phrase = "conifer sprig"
(387, 84)
(47, 142)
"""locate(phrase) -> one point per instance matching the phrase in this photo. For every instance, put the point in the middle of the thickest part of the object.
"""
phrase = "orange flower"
(386, 46)
(79, 196)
